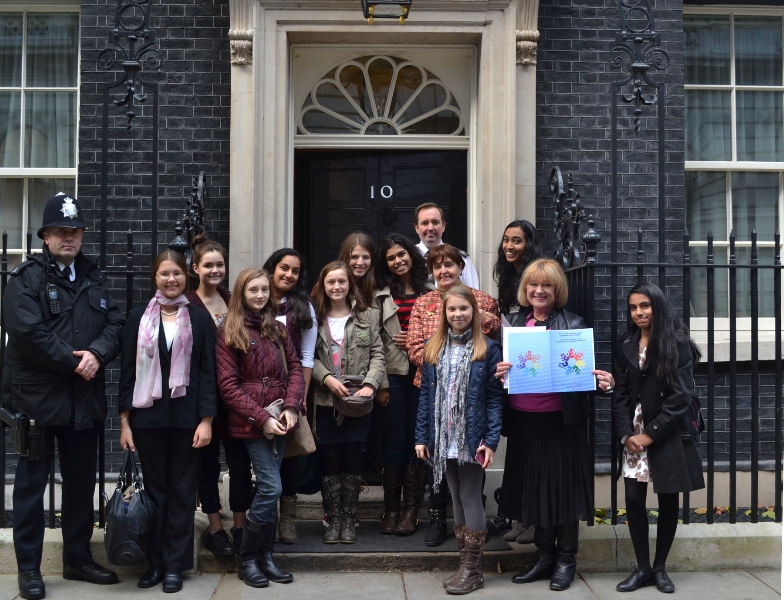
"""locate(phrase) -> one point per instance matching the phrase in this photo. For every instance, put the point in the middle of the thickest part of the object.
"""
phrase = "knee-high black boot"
(249, 570)
(266, 560)
(566, 563)
(544, 539)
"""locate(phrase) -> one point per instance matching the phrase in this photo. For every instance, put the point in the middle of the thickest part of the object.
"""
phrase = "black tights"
(341, 458)
(636, 493)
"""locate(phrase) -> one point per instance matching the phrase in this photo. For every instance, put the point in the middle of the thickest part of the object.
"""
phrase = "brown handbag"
(299, 442)
(353, 405)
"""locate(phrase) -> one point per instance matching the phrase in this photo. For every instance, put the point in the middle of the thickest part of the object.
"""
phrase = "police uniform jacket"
(39, 364)
(201, 395)
(673, 458)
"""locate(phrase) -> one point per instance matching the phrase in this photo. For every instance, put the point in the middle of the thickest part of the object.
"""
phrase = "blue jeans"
(266, 456)
(398, 420)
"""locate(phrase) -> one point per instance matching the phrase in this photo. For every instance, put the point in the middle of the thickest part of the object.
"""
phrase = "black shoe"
(436, 532)
(251, 574)
(236, 533)
(563, 574)
(543, 569)
(249, 570)
(31, 585)
(266, 559)
(635, 581)
(662, 580)
(172, 583)
(219, 543)
(151, 578)
(91, 572)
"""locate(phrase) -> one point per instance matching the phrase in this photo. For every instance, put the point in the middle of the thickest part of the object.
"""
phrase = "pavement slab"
(770, 577)
(195, 587)
(427, 586)
(706, 585)
(318, 586)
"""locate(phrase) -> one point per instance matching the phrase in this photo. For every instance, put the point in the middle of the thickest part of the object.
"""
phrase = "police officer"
(63, 329)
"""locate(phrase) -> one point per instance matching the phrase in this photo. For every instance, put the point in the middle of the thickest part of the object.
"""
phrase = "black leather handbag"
(130, 518)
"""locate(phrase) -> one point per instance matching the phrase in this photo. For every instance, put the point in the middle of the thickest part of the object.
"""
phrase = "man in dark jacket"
(63, 329)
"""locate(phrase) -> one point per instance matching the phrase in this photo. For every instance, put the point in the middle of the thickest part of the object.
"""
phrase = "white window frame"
(36, 6)
(699, 325)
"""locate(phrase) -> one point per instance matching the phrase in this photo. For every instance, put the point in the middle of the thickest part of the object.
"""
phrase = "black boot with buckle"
(249, 570)
(267, 562)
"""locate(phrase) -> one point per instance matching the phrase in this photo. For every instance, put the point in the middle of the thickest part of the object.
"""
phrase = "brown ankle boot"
(393, 482)
(413, 494)
(471, 578)
(460, 531)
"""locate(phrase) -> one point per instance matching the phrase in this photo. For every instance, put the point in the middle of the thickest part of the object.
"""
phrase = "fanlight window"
(380, 95)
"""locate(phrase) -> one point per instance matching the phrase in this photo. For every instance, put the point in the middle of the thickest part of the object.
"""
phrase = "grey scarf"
(458, 402)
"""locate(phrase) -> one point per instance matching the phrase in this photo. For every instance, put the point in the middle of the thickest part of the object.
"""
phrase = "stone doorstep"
(603, 548)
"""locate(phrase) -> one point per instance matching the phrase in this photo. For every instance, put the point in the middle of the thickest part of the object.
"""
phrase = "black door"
(374, 191)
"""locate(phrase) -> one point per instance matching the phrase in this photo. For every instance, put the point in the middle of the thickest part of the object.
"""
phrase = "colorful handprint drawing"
(529, 364)
(572, 361)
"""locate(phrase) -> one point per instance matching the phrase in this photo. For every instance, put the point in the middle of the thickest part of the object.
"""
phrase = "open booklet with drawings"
(545, 361)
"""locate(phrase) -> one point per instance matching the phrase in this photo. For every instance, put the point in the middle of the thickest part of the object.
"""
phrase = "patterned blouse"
(634, 465)
(426, 316)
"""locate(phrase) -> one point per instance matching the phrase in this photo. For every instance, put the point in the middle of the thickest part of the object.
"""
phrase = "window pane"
(699, 283)
(52, 49)
(757, 51)
(707, 125)
(706, 205)
(764, 284)
(38, 193)
(10, 128)
(755, 205)
(707, 54)
(11, 201)
(50, 129)
(759, 123)
(11, 25)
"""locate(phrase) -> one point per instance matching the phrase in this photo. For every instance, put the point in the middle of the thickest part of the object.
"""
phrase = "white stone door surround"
(264, 35)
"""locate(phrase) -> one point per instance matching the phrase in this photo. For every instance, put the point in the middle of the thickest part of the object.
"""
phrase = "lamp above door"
(386, 9)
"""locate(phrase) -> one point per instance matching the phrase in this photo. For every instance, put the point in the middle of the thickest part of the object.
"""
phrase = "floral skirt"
(634, 465)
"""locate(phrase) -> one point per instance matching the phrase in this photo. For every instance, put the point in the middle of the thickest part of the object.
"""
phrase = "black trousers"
(78, 456)
(240, 482)
(170, 471)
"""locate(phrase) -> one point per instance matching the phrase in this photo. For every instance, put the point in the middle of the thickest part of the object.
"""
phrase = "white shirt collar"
(424, 249)
(71, 270)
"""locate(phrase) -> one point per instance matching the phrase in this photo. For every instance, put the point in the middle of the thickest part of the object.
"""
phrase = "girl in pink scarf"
(167, 400)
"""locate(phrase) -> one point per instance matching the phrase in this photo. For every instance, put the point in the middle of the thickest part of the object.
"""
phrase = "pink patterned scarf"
(148, 386)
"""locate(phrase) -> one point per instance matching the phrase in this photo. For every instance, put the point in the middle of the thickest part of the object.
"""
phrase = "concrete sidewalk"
(724, 585)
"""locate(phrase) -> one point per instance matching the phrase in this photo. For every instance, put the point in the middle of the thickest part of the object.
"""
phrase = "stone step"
(371, 506)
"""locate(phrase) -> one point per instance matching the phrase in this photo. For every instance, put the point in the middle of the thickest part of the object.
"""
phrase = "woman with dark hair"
(518, 248)
(357, 251)
(295, 311)
(260, 380)
(349, 343)
(655, 388)
(401, 278)
(167, 401)
(553, 482)
(209, 264)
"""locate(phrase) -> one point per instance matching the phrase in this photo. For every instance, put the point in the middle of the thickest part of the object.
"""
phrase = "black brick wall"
(194, 106)
(573, 93)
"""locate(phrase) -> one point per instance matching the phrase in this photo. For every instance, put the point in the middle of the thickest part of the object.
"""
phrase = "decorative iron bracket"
(638, 44)
(132, 41)
(192, 222)
(568, 214)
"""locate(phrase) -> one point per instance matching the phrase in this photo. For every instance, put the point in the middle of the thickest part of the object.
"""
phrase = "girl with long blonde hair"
(459, 423)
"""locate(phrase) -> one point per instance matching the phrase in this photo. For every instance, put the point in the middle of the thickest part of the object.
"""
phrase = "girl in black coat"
(655, 388)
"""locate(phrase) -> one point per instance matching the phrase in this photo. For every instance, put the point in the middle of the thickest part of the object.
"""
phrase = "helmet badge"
(69, 208)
